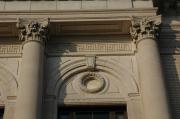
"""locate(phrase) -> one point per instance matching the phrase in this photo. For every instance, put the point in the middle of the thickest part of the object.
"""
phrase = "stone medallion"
(92, 83)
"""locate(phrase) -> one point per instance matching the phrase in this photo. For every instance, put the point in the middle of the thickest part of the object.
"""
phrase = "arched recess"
(8, 84)
(62, 75)
(119, 72)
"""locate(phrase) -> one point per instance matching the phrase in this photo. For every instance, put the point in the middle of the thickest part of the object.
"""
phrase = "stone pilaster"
(33, 33)
(144, 32)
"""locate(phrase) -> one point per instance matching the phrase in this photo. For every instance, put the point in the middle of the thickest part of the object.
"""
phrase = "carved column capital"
(145, 27)
(33, 29)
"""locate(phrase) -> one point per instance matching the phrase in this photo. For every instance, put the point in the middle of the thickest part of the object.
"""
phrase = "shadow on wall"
(170, 49)
(52, 68)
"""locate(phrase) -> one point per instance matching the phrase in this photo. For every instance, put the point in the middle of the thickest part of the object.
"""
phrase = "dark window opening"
(1, 113)
(92, 112)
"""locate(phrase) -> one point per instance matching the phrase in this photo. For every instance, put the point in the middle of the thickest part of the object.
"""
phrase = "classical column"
(33, 33)
(144, 32)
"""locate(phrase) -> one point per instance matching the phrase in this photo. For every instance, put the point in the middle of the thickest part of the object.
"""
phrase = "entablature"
(88, 35)
(84, 22)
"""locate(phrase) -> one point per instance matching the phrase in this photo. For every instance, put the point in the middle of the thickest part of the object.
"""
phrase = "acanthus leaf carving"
(33, 29)
(145, 27)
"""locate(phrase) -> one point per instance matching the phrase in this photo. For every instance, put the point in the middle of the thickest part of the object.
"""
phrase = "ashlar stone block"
(94, 4)
(68, 5)
(119, 4)
(143, 4)
(41, 5)
(17, 5)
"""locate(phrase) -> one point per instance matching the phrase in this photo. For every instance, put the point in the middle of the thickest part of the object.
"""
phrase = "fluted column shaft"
(29, 99)
(145, 32)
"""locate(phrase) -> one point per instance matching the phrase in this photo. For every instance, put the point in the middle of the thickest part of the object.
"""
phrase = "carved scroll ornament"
(145, 27)
(33, 29)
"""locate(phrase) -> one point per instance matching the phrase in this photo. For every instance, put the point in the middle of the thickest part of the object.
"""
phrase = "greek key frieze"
(104, 47)
(89, 48)
(10, 50)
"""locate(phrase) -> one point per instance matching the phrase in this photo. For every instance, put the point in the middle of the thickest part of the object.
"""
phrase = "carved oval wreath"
(92, 83)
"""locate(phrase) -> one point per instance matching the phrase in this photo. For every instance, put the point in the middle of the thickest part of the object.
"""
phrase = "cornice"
(78, 15)
(84, 10)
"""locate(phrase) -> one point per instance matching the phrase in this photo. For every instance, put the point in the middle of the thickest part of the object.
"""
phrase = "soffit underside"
(9, 29)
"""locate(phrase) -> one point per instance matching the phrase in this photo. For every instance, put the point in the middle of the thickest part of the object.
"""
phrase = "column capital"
(145, 27)
(33, 29)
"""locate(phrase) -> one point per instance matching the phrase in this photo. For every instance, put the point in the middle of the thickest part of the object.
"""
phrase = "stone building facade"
(104, 59)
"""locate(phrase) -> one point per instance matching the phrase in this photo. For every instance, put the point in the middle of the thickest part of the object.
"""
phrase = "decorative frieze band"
(145, 27)
(103, 47)
(15, 50)
(7, 50)
(91, 48)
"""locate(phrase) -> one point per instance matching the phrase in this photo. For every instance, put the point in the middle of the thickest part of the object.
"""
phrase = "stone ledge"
(72, 5)
(78, 15)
